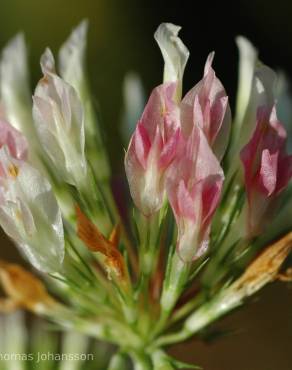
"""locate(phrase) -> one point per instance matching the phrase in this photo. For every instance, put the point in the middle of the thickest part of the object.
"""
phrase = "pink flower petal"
(142, 144)
(152, 148)
(194, 182)
(267, 167)
(169, 150)
(206, 105)
(14, 140)
(268, 172)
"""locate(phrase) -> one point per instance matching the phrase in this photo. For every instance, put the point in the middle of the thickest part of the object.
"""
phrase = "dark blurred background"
(121, 40)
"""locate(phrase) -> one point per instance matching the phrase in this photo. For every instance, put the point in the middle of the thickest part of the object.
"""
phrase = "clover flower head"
(204, 184)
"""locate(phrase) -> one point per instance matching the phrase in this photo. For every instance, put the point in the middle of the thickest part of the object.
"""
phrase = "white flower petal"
(248, 56)
(30, 215)
(47, 62)
(14, 86)
(72, 55)
(59, 121)
(174, 52)
(256, 87)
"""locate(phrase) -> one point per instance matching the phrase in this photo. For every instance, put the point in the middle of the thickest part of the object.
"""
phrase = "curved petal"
(72, 56)
(174, 52)
(59, 120)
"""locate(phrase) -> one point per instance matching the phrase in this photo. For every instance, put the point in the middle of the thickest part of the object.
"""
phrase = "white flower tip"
(47, 61)
(15, 45)
(246, 48)
(13, 61)
(71, 54)
(170, 29)
(174, 52)
(77, 39)
(79, 33)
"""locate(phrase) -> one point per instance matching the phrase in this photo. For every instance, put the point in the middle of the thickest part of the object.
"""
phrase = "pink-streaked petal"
(268, 172)
(14, 140)
(159, 105)
(248, 152)
(207, 117)
(148, 201)
(142, 144)
(194, 182)
(206, 105)
(267, 167)
(209, 88)
(186, 206)
(152, 148)
(206, 162)
(199, 115)
(217, 114)
(169, 150)
(210, 197)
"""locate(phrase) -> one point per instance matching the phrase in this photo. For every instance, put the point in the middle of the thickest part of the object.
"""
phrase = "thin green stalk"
(141, 361)
(222, 303)
(78, 255)
(150, 232)
(161, 361)
(177, 275)
(118, 362)
(186, 309)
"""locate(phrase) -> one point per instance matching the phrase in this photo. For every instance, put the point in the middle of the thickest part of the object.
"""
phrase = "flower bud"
(194, 181)
(14, 87)
(206, 105)
(72, 66)
(256, 88)
(58, 117)
(152, 148)
(29, 213)
(267, 168)
(72, 58)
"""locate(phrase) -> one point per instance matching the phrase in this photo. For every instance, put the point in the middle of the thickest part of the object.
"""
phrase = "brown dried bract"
(96, 242)
(265, 268)
(22, 288)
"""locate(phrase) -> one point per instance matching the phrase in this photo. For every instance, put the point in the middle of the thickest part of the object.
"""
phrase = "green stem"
(161, 361)
(149, 235)
(118, 362)
(186, 309)
(141, 361)
(176, 277)
(222, 303)
(175, 284)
